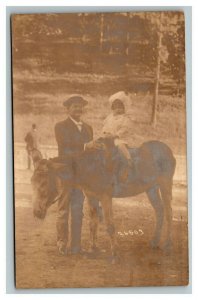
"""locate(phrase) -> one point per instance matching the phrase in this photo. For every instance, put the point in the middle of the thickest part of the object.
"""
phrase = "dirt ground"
(38, 264)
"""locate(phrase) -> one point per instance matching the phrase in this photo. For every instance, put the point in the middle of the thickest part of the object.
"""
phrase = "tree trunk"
(101, 31)
(127, 41)
(156, 90)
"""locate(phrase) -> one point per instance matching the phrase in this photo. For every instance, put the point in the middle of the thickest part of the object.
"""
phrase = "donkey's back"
(151, 161)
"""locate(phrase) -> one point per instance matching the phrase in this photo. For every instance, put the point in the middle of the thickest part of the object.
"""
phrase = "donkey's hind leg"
(106, 202)
(155, 200)
(166, 193)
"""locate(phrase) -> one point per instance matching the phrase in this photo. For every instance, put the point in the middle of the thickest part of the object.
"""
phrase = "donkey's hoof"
(168, 247)
(154, 244)
(95, 250)
(114, 260)
(62, 251)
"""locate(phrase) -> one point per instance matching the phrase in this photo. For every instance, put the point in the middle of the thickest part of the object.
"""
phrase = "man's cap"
(75, 98)
(118, 96)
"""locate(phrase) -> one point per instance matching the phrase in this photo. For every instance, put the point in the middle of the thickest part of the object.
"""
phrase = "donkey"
(98, 174)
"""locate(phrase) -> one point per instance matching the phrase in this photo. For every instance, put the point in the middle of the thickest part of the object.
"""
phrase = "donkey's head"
(40, 189)
(44, 188)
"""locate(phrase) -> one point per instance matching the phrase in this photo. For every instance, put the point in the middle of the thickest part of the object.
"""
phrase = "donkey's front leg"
(106, 202)
(93, 223)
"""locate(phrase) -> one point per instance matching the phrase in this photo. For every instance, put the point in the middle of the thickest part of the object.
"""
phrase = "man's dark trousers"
(71, 142)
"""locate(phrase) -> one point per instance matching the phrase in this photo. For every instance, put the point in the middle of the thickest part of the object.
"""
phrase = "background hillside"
(97, 55)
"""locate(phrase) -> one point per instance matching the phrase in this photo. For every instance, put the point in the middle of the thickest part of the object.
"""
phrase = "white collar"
(77, 124)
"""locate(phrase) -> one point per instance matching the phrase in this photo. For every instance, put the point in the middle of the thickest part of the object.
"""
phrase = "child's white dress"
(119, 125)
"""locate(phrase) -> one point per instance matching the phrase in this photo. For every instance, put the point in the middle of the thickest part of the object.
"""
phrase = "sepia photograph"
(99, 143)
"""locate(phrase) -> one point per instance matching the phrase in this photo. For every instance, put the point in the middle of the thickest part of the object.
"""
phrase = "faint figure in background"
(32, 143)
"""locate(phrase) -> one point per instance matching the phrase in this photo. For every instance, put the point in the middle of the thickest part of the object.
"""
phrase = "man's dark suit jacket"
(70, 139)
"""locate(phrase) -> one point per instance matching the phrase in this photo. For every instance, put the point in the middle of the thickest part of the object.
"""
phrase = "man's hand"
(94, 145)
(109, 135)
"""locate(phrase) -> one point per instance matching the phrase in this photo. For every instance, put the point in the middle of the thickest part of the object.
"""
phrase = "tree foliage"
(65, 41)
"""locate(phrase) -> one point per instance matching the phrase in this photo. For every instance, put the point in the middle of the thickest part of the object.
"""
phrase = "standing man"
(31, 140)
(72, 136)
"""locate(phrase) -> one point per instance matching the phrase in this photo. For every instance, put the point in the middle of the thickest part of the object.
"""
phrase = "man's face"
(75, 110)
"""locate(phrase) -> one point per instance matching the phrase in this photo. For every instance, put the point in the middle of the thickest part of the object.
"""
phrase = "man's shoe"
(78, 252)
(62, 248)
